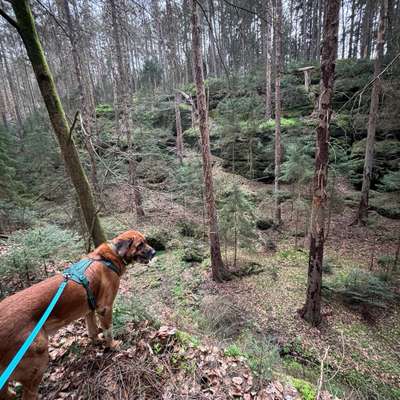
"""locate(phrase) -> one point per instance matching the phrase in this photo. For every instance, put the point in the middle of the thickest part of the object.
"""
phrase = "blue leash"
(23, 349)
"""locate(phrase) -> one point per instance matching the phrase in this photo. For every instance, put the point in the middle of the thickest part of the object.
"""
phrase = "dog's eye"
(140, 245)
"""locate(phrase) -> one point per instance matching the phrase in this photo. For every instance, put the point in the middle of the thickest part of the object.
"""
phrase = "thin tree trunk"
(13, 91)
(351, 33)
(268, 65)
(362, 213)
(278, 105)
(219, 272)
(311, 311)
(28, 33)
(179, 136)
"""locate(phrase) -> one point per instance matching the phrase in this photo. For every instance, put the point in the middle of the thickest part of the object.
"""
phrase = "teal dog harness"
(76, 272)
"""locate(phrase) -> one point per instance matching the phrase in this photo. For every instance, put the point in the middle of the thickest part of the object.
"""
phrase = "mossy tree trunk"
(26, 28)
(219, 272)
(311, 311)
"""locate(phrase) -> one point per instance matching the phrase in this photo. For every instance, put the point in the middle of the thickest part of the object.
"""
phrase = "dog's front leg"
(92, 328)
(105, 318)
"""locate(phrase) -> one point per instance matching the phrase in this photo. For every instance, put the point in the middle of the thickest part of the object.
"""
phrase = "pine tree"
(219, 272)
(311, 311)
(236, 219)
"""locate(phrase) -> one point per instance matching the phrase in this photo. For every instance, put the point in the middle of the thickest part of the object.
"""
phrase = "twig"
(215, 41)
(71, 129)
(247, 10)
(321, 376)
(360, 92)
(10, 20)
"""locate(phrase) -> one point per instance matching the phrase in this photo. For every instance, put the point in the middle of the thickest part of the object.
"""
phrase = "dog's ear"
(122, 247)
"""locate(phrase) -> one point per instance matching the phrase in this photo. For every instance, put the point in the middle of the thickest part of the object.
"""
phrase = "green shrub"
(387, 268)
(31, 249)
(158, 238)
(361, 288)
(262, 356)
(233, 350)
(305, 389)
(133, 310)
(193, 252)
(105, 111)
(189, 228)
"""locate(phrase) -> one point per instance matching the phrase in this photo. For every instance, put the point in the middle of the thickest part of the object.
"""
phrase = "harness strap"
(76, 272)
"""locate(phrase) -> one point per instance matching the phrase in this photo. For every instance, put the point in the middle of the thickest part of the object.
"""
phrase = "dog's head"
(132, 246)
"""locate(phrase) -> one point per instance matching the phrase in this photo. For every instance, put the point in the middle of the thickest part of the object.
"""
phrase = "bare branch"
(9, 19)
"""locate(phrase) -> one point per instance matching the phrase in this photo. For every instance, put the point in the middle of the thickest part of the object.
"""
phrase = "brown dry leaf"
(237, 380)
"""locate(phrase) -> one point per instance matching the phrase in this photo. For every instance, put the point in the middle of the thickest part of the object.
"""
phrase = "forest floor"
(206, 340)
(256, 315)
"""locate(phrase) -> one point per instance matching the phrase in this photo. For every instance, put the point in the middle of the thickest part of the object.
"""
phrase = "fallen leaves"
(152, 364)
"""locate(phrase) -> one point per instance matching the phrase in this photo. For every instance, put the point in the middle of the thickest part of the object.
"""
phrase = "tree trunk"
(278, 105)
(28, 33)
(311, 311)
(179, 136)
(219, 272)
(13, 91)
(362, 213)
(268, 64)
(351, 33)
(366, 29)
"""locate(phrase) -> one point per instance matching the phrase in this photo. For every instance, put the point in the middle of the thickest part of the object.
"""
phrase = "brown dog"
(20, 312)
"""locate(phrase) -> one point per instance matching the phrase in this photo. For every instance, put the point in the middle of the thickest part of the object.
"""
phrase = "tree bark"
(219, 272)
(311, 311)
(179, 135)
(28, 33)
(278, 106)
(268, 65)
(351, 33)
(362, 212)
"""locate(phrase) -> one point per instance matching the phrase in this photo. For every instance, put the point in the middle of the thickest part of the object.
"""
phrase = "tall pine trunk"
(268, 61)
(219, 272)
(278, 105)
(178, 123)
(362, 213)
(311, 311)
(28, 33)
